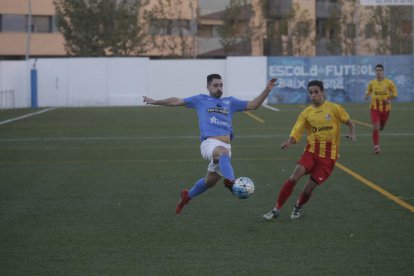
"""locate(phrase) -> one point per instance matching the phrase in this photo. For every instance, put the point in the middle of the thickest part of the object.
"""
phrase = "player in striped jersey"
(321, 120)
(382, 91)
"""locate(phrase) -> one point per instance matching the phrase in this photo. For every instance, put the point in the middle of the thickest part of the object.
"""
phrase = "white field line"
(25, 116)
(270, 107)
(192, 137)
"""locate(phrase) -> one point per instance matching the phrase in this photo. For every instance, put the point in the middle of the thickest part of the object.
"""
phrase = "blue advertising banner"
(345, 78)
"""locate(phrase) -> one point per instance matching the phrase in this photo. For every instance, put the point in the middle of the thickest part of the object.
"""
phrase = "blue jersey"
(215, 114)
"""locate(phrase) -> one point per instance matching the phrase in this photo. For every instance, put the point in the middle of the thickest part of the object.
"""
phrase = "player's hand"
(271, 84)
(148, 100)
(285, 144)
(351, 137)
(387, 101)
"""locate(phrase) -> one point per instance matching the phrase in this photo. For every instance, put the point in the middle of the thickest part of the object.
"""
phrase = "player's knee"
(211, 181)
(293, 179)
(220, 151)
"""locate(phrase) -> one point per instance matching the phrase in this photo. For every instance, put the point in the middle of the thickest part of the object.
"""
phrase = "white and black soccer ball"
(243, 187)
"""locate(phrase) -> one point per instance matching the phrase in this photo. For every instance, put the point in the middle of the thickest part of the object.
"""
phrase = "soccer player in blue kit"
(215, 116)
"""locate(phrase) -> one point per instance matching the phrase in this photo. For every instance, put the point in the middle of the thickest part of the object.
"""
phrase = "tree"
(101, 27)
(235, 33)
(172, 28)
(390, 27)
(342, 28)
(301, 32)
(291, 33)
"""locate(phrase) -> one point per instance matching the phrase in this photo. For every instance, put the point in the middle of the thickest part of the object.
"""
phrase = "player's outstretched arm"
(286, 144)
(166, 102)
(254, 104)
(351, 132)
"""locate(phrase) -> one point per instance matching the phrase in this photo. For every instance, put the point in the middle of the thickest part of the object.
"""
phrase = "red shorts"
(380, 117)
(319, 168)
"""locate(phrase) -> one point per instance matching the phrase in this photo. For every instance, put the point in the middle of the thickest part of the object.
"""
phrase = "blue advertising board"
(345, 78)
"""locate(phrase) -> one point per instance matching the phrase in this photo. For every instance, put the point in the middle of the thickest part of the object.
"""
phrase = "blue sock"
(225, 167)
(199, 187)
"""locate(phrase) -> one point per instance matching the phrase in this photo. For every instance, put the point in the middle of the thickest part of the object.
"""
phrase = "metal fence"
(7, 99)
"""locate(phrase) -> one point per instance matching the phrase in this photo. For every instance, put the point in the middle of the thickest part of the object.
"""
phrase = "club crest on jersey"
(328, 117)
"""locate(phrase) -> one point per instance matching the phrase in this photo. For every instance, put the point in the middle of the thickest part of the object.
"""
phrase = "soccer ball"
(243, 187)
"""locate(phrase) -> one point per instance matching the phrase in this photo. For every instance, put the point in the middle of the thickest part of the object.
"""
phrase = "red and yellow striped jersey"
(380, 91)
(323, 128)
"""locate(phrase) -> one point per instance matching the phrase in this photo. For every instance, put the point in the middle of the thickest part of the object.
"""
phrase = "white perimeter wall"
(74, 82)
(15, 76)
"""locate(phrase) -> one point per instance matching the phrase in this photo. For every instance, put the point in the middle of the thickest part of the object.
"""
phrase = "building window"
(180, 27)
(215, 31)
(278, 9)
(406, 27)
(55, 28)
(321, 28)
(369, 30)
(170, 27)
(204, 31)
(208, 31)
(41, 24)
(350, 31)
(13, 23)
(324, 29)
(18, 23)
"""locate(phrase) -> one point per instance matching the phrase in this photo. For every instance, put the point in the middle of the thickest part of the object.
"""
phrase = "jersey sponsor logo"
(218, 110)
(215, 121)
(322, 128)
(380, 93)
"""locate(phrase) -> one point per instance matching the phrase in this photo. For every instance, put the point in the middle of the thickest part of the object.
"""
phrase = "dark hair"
(213, 76)
(316, 83)
(380, 66)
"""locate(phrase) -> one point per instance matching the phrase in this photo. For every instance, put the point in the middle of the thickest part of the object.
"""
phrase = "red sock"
(375, 137)
(304, 197)
(285, 193)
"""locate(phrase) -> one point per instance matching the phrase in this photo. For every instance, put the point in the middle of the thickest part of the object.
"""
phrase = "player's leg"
(219, 155)
(184, 199)
(304, 196)
(203, 184)
(375, 120)
(289, 184)
(304, 164)
(319, 174)
(186, 195)
(222, 155)
(207, 148)
(383, 119)
(199, 187)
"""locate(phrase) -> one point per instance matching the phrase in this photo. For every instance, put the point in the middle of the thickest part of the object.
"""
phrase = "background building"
(215, 29)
